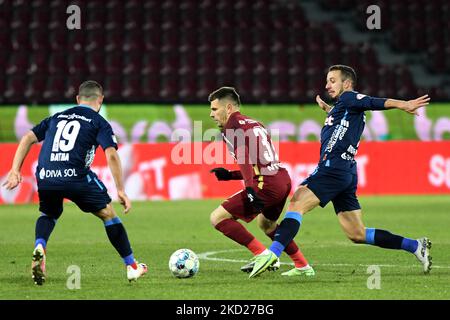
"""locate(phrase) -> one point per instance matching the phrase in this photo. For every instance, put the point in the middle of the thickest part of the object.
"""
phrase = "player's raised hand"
(124, 201)
(13, 180)
(411, 106)
(222, 174)
(322, 104)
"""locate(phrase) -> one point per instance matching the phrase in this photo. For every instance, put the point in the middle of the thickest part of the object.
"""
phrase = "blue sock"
(385, 239)
(370, 236)
(286, 232)
(44, 227)
(128, 259)
(40, 241)
(118, 237)
(409, 245)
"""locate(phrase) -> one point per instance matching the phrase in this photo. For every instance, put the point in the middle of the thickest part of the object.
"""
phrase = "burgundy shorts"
(274, 192)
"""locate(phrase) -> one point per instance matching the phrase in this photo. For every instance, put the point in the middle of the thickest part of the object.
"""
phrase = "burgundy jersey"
(251, 146)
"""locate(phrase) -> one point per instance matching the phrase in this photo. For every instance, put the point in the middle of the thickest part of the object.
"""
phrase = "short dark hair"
(346, 72)
(225, 92)
(90, 89)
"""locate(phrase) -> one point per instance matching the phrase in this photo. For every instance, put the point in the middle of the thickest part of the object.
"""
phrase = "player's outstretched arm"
(322, 104)
(14, 176)
(116, 170)
(410, 106)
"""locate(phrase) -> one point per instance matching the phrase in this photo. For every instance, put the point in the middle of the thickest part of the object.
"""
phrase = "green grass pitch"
(156, 229)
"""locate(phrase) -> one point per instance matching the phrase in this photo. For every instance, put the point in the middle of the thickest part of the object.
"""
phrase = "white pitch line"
(208, 256)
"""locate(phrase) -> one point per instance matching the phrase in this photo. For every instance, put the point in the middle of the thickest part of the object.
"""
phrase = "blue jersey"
(343, 128)
(70, 139)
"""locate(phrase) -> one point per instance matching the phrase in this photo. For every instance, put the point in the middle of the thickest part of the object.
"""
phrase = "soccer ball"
(184, 263)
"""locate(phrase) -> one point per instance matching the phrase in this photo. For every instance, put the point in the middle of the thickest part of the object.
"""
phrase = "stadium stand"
(174, 51)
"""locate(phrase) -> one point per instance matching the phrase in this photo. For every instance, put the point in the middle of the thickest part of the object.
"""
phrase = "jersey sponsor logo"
(338, 134)
(329, 121)
(345, 123)
(42, 174)
(249, 121)
(346, 156)
(359, 96)
(74, 116)
(89, 157)
(352, 150)
(66, 173)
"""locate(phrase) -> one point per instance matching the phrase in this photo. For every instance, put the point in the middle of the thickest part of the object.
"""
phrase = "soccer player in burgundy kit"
(335, 178)
(267, 183)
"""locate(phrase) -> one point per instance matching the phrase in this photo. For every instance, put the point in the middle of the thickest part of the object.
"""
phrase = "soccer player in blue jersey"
(335, 178)
(70, 140)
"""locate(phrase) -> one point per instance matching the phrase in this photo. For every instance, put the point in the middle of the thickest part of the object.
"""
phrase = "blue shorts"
(89, 196)
(336, 186)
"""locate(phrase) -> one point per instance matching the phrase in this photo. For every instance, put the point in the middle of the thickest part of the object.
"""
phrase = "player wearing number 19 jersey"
(70, 140)
(335, 178)
(267, 183)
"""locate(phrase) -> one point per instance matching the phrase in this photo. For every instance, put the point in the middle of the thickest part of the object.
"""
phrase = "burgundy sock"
(238, 233)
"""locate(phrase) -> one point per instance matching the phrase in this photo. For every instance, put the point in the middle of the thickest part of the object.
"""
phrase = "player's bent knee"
(357, 237)
(106, 213)
(295, 206)
(213, 219)
(266, 225)
(303, 200)
(300, 206)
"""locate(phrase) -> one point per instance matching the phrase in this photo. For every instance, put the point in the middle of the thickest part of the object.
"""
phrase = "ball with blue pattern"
(184, 263)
